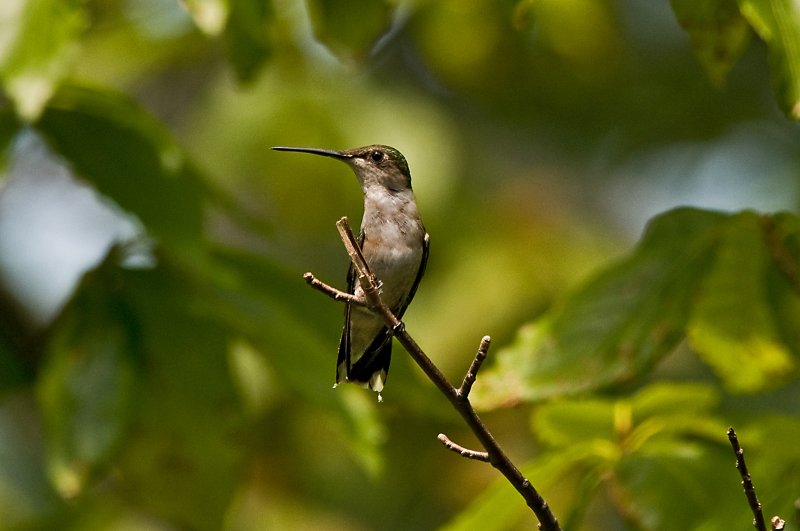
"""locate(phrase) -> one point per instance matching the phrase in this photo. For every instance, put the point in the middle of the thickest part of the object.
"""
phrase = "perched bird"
(395, 245)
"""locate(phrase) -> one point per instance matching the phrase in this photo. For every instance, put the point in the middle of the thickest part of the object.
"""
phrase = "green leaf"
(783, 239)
(731, 282)
(254, 304)
(183, 459)
(557, 475)
(679, 484)
(129, 157)
(777, 22)
(247, 38)
(27, 499)
(770, 445)
(88, 381)
(9, 127)
(593, 445)
(38, 46)
(350, 28)
(568, 422)
(732, 325)
(671, 398)
(718, 31)
(617, 326)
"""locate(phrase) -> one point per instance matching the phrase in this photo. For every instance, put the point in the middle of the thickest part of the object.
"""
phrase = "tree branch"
(463, 452)
(459, 398)
(332, 292)
(747, 483)
(472, 372)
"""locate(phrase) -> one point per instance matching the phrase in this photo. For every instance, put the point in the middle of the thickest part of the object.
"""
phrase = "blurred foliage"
(720, 280)
(163, 365)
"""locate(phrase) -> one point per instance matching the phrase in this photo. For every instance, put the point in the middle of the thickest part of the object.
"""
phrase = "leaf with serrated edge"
(618, 325)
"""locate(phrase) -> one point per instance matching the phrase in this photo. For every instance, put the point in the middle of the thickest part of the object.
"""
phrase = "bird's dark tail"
(371, 369)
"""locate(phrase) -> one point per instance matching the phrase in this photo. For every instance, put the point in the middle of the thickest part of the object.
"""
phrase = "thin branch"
(747, 483)
(463, 452)
(332, 292)
(472, 372)
(457, 397)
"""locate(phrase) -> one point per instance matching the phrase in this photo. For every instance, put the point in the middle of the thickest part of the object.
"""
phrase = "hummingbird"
(395, 245)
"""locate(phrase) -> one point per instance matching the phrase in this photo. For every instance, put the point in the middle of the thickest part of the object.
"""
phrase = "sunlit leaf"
(350, 28)
(732, 326)
(568, 422)
(88, 383)
(247, 36)
(663, 409)
(671, 398)
(706, 274)
(209, 15)
(718, 32)
(777, 22)
(617, 326)
(129, 157)
(38, 44)
(658, 424)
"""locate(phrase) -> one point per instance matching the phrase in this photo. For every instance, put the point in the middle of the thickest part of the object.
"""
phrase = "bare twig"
(463, 452)
(747, 483)
(332, 292)
(457, 397)
(472, 373)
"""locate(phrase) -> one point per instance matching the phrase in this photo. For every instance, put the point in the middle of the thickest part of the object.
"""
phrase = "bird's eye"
(376, 156)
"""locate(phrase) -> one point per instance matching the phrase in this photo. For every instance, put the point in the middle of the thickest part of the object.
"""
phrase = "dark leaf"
(88, 382)
(129, 157)
(27, 498)
(350, 28)
(9, 127)
(718, 32)
(247, 37)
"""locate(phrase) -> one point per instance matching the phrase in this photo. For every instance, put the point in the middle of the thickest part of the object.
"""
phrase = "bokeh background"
(164, 364)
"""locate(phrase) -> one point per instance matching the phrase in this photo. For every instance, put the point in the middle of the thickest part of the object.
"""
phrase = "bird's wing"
(426, 242)
(343, 360)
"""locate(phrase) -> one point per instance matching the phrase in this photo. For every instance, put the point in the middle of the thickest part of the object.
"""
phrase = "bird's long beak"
(315, 151)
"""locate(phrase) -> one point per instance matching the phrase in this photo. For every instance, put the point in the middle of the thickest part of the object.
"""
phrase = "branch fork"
(458, 397)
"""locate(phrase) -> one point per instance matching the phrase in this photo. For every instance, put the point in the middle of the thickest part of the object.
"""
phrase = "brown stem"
(747, 482)
(332, 292)
(459, 398)
(463, 452)
(472, 372)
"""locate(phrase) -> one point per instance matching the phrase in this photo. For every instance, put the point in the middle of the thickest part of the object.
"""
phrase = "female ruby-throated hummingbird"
(395, 245)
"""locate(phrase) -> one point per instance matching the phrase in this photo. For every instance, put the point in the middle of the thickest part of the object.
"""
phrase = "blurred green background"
(164, 365)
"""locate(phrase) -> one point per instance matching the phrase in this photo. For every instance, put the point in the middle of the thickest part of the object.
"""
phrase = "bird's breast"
(393, 250)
